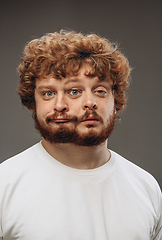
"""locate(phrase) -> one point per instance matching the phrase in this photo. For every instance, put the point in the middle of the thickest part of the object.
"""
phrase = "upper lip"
(90, 118)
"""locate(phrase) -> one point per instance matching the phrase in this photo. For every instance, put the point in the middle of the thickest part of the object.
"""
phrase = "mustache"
(90, 113)
(73, 118)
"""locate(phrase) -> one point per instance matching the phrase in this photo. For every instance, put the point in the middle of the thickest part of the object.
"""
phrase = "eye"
(101, 92)
(74, 92)
(48, 94)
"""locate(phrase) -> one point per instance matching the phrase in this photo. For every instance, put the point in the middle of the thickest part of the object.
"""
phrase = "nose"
(60, 104)
(89, 102)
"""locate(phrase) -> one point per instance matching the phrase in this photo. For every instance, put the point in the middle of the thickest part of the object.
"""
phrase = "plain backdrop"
(135, 25)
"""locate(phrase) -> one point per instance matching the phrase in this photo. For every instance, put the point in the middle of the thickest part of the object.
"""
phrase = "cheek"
(107, 109)
(43, 109)
(75, 106)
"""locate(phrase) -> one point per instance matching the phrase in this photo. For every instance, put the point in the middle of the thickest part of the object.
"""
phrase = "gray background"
(135, 25)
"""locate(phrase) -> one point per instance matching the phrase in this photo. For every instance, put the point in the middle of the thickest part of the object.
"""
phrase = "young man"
(70, 186)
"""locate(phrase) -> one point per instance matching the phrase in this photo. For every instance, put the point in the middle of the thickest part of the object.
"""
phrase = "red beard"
(56, 133)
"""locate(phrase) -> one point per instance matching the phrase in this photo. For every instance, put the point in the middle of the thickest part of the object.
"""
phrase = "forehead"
(81, 77)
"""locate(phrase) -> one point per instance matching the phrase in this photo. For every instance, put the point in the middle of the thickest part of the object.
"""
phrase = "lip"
(90, 121)
(90, 118)
(60, 120)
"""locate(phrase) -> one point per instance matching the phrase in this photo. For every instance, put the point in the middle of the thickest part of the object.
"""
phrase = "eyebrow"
(44, 87)
(80, 80)
(72, 80)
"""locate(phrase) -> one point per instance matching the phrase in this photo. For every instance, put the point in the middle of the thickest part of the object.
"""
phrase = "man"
(70, 186)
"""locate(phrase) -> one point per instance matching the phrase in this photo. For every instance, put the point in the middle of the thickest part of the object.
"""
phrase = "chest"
(70, 210)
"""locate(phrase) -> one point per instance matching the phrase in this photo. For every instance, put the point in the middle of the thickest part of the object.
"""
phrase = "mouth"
(90, 121)
(61, 120)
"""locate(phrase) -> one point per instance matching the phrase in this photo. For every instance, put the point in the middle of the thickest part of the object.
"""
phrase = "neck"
(77, 156)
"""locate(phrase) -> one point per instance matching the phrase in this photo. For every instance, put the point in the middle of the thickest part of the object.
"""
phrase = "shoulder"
(19, 161)
(141, 184)
(137, 176)
(127, 167)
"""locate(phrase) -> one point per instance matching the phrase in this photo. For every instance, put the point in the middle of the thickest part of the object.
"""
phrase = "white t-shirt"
(42, 199)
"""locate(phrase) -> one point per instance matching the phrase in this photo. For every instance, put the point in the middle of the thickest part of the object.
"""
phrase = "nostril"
(60, 109)
(91, 105)
(95, 105)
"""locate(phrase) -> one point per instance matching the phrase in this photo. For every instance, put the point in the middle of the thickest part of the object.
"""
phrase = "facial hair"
(56, 133)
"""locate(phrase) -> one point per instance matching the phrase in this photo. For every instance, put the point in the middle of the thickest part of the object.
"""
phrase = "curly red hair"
(63, 54)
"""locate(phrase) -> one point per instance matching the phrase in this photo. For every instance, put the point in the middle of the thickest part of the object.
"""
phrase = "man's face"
(77, 109)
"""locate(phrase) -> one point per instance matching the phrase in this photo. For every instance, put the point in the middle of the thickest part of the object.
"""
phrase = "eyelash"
(101, 93)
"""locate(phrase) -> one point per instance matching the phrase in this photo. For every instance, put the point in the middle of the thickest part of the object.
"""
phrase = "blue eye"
(48, 94)
(74, 92)
(101, 92)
